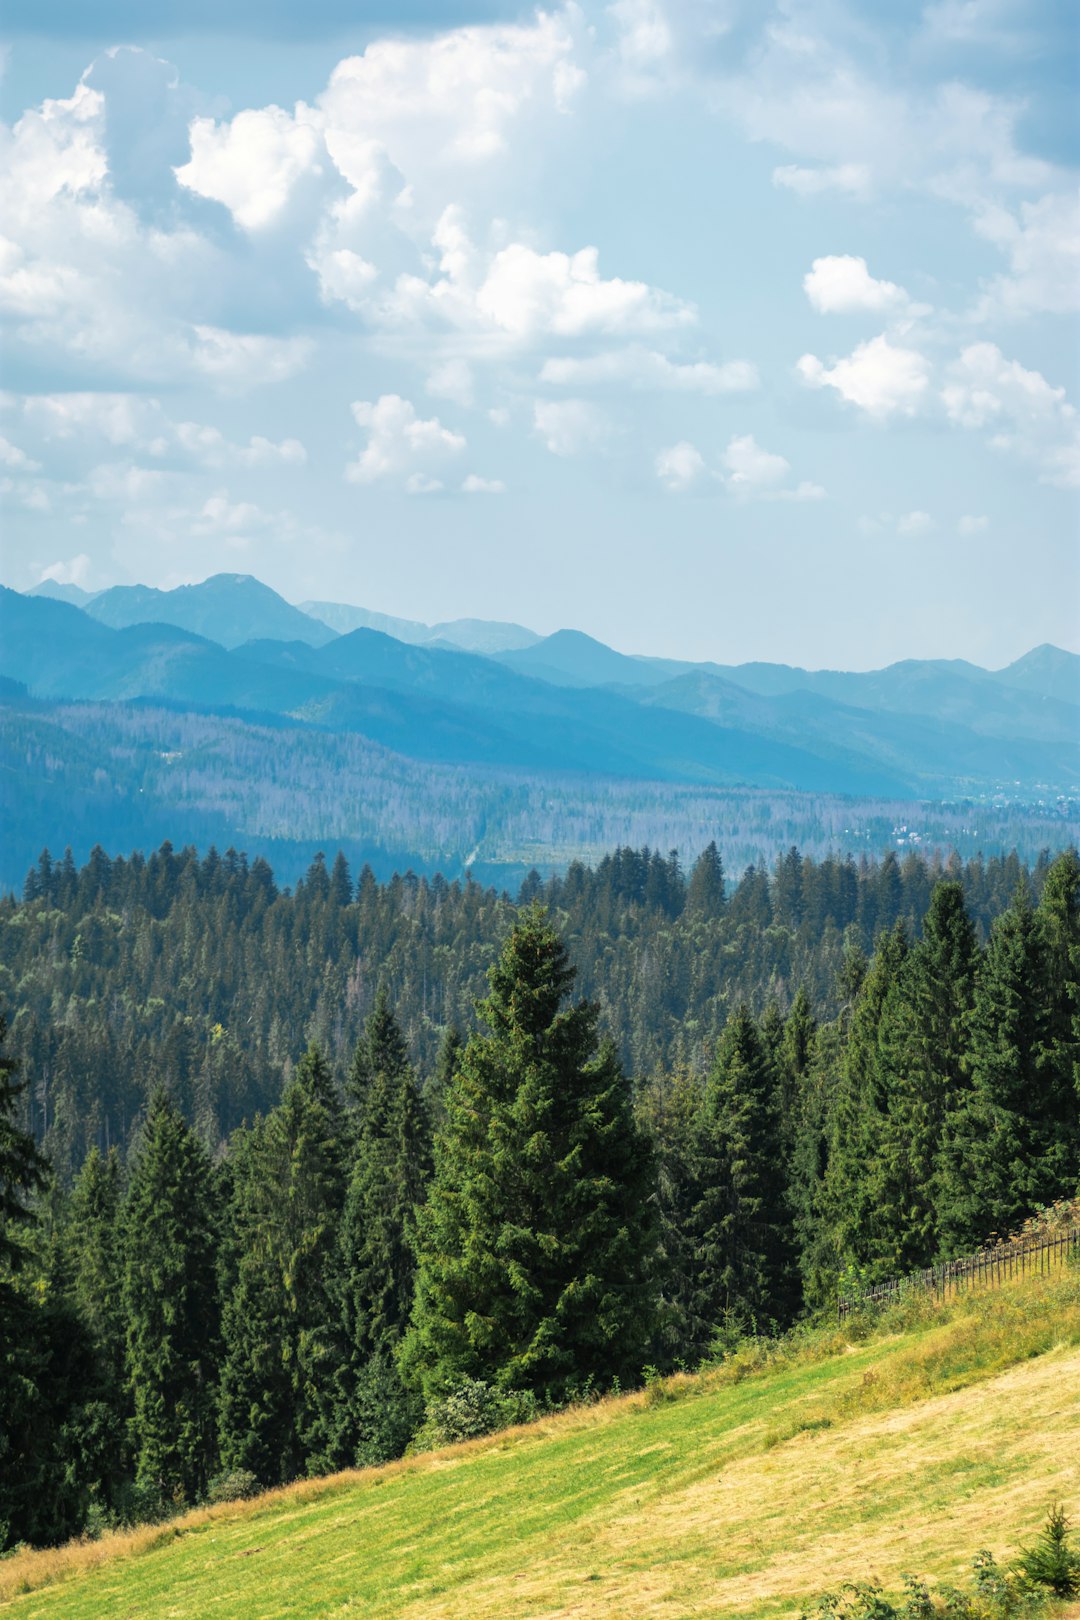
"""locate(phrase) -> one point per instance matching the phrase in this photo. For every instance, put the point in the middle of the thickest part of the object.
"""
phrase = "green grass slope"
(743, 1491)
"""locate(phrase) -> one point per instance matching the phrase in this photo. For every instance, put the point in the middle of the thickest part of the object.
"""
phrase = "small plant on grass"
(235, 1486)
(473, 1409)
(1053, 1563)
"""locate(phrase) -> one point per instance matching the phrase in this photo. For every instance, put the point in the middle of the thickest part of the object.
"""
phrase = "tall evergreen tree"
(391, 1167)
(381, 1049)
(921, 1065)
(1058, 921)
(742, 1222)
(536, 1243)
(858, 1117)
(1008, 1148)
(705, 891)
(171, 1306)
(22, 1168)
(282, 1340)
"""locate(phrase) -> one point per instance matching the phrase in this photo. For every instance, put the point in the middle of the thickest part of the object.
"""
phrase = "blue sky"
(721, 330)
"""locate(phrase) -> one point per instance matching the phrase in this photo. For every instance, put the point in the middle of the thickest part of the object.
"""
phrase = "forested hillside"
(205, 975)
(305, 1200)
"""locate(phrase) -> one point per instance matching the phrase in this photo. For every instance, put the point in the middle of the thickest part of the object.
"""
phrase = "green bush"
(235, 1486)
(473, 1409)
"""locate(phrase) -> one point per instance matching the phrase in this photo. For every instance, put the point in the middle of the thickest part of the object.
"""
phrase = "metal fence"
(990, 1268)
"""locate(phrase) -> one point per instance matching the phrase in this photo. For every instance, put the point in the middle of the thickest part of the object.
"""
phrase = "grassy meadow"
(746, 1490)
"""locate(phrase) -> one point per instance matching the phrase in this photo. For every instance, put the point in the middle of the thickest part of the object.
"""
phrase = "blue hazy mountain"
(226, 608)
(470, 635)
(917, 729)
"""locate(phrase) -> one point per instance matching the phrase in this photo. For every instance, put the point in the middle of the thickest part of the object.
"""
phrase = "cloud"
(645, 368)
(221, 516)
(1042, 243)
(881, 378)
(750, 471)
(970, 524)
(914, 523)
(75, 571)
(841, 284)
(401, 443)
(570, 426)
(252, 164)
(453, 379)
(745, 470)
(138, 422)
(420, 108)
(475, 485)
(644, 44)
(1023, 412)
(751, 467)
(680, 467)
(521, 295)
(853, 178)
(242, 360)
(12, 456)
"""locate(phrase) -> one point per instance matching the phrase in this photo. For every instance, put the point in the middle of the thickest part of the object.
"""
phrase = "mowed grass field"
(747, 1490)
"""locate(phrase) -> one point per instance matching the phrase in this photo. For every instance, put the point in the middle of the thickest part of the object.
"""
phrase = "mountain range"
(492, 694)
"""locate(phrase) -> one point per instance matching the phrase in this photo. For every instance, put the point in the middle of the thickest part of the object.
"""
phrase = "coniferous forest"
(291, 1181)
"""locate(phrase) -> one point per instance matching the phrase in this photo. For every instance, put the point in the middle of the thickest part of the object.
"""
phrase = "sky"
(715, 328)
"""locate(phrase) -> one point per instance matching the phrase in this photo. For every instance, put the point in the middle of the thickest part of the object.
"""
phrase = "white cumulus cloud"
(841, 284)
(1023, 412)
(251, 164)
(680, 466)
(882, 378)
(401, 443)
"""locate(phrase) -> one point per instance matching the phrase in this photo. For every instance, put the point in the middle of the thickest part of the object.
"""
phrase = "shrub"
(235, 1486)
(474, 1408)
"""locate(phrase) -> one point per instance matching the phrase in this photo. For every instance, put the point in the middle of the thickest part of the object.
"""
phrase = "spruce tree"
(742, 1221)
(170, 1306)
(859, 1116)
(381, 1049)
(22, 1168)
(921, 1062)
(282, 1339)
(1057, 918)
(705, 891)
(536, 1243)
(1008, 1149)
(391, 1167)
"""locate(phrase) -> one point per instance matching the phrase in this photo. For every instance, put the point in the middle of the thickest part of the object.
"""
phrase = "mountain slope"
(227, 608)
(936, 751)
(726, 1495)
(470, 635)
(1047, 672)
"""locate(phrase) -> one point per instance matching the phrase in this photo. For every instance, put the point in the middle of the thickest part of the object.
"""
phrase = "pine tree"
(858, 1118)
(22, 1167)
(1057, 919)
(536, 1243)
(742, 1221)
(921, 1063)
(94, 1262)
(94, 1247)
(705, 892)
(380, 1050)
(171, 1307)
(282, 1341)
(1008, 1149)
(391, 1167)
